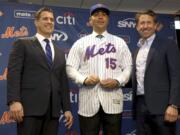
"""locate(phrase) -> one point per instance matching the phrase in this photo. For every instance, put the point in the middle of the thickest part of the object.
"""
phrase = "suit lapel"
(56, 57)
(134, 61)
(40, 53)
(151, 52)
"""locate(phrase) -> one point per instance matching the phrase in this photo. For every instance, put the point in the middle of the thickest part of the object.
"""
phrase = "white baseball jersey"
(108, 57)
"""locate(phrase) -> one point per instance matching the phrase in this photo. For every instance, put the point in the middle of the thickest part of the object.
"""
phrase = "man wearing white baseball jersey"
(100, 64)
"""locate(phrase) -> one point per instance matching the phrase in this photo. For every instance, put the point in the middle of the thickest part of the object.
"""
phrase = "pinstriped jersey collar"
(104, 34)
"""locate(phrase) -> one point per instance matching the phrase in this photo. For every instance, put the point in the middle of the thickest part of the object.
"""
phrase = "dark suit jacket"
(162, 76)
(31, 81)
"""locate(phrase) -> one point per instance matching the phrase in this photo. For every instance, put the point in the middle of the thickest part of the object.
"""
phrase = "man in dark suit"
(37, 85)
(155, 79)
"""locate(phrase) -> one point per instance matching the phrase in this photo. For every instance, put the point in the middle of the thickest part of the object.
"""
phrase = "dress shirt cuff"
(120, 82)
(124, 77)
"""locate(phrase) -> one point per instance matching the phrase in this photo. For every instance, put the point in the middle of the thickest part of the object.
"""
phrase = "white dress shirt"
(141, 62)
(43, 43)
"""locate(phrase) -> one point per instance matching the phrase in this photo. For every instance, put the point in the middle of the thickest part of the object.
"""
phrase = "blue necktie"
(48, 52)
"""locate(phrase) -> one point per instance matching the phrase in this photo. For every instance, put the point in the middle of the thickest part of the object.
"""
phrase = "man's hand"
(69, 119)
(16, 111)
(109, 83)
(171, 114)
(91, 80)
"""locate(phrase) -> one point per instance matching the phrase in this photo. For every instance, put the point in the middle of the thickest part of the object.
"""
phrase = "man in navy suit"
(37, 85)
(155, 79)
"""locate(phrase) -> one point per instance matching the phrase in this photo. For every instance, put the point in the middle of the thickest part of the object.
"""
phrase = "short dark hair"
(147, 12)
(38, 13)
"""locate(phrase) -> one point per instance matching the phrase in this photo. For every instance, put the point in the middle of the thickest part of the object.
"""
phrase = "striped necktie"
(48, 52)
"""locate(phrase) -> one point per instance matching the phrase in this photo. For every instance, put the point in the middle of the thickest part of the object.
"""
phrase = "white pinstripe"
(78, 69)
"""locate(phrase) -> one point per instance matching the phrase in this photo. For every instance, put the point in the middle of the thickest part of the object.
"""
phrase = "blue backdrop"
(17, 20)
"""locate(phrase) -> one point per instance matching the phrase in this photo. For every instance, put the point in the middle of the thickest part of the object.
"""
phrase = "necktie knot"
(99, 36)
(48, 52)
(46, 40)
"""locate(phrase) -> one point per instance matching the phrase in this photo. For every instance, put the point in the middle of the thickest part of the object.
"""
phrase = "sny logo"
(59, 35)
(127, 23)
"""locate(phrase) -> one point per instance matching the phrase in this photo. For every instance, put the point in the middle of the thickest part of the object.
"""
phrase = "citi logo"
(24, 14)
(59, 35)
(67, 19)
(127, 23)
(132, 133)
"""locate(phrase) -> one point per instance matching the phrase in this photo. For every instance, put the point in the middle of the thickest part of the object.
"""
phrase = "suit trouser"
(111, 124)
(148, 124)
(39, 125)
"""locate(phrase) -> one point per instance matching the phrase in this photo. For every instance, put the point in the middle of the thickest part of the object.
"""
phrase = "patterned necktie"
(99, 36)
(48, 52)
